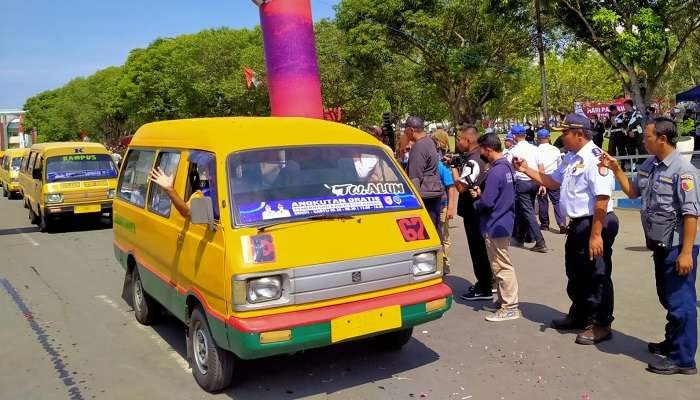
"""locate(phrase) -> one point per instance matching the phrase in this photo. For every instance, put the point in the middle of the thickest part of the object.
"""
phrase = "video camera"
(468, 169)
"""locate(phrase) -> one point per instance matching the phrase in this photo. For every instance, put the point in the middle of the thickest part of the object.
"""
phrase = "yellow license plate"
(366, 322)
(87, 209)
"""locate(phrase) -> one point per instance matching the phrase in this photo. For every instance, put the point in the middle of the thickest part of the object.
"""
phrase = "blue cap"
(543, 134)
(517, 130)
(509, 136)
(574, 121)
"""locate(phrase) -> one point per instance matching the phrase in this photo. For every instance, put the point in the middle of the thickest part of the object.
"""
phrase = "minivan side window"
(133, 182)
(22, 166)
(158, 201)
(30, 163)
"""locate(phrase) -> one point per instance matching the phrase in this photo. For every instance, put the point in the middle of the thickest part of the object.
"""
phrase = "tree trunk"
(633, 89)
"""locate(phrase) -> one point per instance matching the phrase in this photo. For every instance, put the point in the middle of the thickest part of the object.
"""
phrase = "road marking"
(27, 237)
(46, 342)
(162, 344)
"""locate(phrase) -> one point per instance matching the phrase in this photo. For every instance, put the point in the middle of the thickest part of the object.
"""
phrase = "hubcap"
(201, 350)
(138, 294)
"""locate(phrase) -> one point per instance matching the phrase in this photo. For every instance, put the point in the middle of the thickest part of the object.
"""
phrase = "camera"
(456, 160)
(468, 169)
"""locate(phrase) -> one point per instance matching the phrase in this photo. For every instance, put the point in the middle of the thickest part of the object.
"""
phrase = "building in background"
(12, 134)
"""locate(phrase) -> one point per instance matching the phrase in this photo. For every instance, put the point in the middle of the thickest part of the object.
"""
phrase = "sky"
(46, 43)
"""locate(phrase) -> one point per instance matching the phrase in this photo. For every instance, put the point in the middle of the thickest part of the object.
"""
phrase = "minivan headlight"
(264, 289)
(110, 193)
(424, 263)
(54, 198)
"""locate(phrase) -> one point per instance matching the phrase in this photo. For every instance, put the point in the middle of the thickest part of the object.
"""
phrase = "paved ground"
(67, 334)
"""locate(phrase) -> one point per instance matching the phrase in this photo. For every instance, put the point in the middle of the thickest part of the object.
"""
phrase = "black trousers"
(635, 146)
(590, 285)
(477, 251)
(526, 192)
(617, 146)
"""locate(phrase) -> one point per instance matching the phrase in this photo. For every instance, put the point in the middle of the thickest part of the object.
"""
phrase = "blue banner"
(343, 204)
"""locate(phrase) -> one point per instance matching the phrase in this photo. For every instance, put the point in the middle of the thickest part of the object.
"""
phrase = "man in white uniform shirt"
(549, 158)
(585, 198)
(526, 190)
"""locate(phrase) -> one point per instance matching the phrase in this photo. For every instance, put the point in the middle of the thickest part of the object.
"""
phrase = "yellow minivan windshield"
(76, 167)
(299, 182)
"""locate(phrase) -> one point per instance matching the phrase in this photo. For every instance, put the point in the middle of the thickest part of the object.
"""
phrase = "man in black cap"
(585, 199)
(617, 146)
(423, 168)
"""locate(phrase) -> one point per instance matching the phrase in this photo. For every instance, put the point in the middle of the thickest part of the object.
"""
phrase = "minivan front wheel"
(146, 309)
(45, 223)
(212, 366)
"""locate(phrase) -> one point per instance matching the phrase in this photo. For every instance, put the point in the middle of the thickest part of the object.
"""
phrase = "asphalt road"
(66, 333)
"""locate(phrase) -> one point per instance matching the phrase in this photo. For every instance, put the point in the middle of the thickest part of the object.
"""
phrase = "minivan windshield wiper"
(323, 217)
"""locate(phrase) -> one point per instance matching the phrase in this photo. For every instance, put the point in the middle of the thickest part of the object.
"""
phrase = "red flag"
(250, 78)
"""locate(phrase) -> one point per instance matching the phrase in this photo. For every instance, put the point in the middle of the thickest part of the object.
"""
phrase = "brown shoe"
(567, 324)
(594, 334)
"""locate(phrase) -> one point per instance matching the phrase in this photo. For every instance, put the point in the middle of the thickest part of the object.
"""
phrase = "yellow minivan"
(298, 233)
(9, 171)
(67, 178)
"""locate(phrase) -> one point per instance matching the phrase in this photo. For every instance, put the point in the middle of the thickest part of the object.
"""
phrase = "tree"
(638, 39)
(462, 47)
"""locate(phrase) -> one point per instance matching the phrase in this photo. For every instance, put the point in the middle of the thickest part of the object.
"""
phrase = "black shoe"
(660, 348)
(544, 228)
(568, 324)
(666, 367)
(473, 295)
(562, 230)
(539, 248)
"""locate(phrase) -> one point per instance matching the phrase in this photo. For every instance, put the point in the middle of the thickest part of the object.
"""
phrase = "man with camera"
(667, 186)
(496, 208)
(468, 172)
(617, 146)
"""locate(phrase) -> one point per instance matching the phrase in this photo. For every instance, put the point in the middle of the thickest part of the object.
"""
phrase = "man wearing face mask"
(470, 175)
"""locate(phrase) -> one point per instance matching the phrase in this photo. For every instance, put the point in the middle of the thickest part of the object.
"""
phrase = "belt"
(587, 217)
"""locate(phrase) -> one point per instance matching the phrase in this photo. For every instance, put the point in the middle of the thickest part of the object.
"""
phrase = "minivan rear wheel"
(212, 366)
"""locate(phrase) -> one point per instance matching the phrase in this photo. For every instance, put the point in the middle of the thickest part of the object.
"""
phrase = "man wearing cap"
(549, 158)
(526, 192)
(585, 199)
(423, 168)
(508, 144)
(617, 146)
(667, 185)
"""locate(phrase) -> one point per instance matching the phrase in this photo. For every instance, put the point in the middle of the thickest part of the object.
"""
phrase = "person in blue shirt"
(496, 208)
(449, 205)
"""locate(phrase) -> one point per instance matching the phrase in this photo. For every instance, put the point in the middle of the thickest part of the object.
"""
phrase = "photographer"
(496, 208)
(468, 171)
(618, 138)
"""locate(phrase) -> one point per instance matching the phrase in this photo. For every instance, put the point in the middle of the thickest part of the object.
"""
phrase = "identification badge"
(665, 179)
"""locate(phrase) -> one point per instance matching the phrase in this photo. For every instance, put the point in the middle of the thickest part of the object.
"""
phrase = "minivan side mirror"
(202, 212)
(36, 173)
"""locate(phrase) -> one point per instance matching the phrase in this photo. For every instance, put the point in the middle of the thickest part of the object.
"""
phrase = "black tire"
(45, 223)
(393, 341)
(25, 202)
(212, 366)
(32, 216)
(5, 193)
(146, 309)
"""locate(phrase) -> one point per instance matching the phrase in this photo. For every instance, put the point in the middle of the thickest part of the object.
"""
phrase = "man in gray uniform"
(667, 185)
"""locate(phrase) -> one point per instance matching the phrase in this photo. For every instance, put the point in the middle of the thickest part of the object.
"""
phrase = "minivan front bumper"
(56, 210)
(313, 328)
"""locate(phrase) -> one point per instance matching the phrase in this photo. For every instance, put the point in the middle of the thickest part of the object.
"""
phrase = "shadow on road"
(18, 231)
(312, 372)
(80, 224)
(640, 249)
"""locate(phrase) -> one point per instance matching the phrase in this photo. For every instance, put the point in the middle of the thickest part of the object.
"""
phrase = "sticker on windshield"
(82, 157)
(367, 188)
(304, 207)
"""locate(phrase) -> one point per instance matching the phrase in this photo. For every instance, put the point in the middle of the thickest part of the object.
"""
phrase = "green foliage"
(638, 39)
(464, 48)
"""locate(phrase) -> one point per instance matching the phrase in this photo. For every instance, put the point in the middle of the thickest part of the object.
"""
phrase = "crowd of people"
(497, 186)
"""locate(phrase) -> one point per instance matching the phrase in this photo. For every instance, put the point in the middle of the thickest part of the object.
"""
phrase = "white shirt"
(581, 181)
(524, 151)
(549, 156)
(507, 155)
